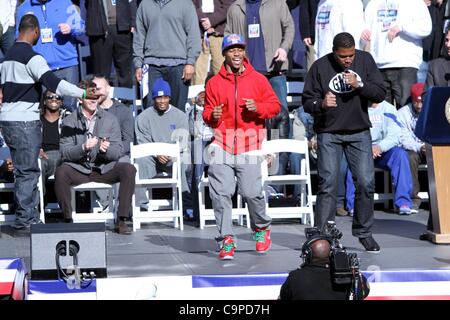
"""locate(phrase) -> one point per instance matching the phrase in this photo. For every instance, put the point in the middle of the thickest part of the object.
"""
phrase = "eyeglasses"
(55, 97)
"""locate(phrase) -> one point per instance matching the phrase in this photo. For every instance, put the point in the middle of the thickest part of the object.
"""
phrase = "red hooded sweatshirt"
(240, 130)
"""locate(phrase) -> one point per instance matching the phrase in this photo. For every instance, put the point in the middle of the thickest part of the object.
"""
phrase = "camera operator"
(315, 280)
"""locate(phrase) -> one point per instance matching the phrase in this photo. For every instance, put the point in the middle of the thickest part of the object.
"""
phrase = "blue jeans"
(340, 196)
(278, 84)
(396, 162)
(308, 121)
(299, 190)
(178, 87)
(6, 41)
(198, 148)
(71, 75)
(24, 139)
(357, 148)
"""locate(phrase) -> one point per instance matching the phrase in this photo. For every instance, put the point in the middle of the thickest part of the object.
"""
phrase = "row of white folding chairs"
(158, 213)
(302, 209)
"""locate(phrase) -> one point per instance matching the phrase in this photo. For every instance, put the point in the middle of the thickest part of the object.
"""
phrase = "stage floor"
(160, 250)
(163, 263)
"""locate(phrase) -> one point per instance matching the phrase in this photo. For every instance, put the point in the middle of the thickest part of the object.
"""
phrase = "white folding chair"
(175, 212)
(207, 214)
(95, 216)
(5, 208)
(9, 218)
(304, 210)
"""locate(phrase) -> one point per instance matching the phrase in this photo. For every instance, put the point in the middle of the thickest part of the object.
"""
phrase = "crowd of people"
(363, 90)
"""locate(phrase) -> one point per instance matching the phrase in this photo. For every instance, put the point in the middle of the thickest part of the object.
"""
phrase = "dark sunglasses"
(55, 97)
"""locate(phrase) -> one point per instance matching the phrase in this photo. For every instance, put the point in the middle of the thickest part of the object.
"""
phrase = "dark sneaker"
(263, 241)
(227, 249)
(122, 228)
(21, 226)
(424, 237)
(370, 244)
(341, 212)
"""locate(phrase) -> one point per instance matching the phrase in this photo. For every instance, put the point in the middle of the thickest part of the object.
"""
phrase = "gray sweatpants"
(224, 171)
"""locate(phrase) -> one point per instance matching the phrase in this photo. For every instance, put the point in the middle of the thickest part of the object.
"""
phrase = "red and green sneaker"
(263, 241)
(227, 249)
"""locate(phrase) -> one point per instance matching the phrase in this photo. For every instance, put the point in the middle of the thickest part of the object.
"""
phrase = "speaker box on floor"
(74, 246)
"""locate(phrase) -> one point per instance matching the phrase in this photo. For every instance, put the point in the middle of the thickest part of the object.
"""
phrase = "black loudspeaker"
(58, 249)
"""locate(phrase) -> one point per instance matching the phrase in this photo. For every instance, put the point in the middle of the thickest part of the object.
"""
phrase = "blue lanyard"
(44, 12)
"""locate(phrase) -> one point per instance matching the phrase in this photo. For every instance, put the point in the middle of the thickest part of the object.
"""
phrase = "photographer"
(321, 277)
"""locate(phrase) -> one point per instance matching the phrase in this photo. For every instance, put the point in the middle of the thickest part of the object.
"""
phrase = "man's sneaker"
(370, 244)
(263, 241)
(404, 210)
(341, 212)
(414, 209)
(227, 249)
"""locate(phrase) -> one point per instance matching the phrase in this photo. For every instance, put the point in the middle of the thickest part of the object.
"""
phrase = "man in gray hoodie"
(162, 123)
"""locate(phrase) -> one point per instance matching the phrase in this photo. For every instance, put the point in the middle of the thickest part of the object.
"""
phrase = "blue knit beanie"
(161, 88)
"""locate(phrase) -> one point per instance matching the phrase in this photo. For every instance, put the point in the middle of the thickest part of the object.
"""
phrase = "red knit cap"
(416, 91)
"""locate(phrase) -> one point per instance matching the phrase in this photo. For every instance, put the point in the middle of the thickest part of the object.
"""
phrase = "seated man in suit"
(91, 145)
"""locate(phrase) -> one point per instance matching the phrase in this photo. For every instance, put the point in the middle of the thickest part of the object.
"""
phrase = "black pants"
(115, 46)
(66, 176)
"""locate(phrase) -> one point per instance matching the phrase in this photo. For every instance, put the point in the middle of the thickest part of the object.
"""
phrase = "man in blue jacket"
(60, 24)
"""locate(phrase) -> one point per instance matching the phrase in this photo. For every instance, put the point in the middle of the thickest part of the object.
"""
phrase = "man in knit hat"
(161, 123)
(237, 102)
(408, 116)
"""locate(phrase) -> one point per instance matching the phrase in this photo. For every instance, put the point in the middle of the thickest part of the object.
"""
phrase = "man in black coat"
(313, 281)
(110, 26)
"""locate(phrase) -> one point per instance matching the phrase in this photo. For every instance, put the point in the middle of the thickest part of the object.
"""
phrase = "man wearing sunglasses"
(52, 116)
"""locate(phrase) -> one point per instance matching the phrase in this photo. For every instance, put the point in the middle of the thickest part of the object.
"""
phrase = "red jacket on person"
(240, 130)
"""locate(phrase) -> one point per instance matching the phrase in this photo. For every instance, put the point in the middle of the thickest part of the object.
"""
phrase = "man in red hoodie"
(238, 100)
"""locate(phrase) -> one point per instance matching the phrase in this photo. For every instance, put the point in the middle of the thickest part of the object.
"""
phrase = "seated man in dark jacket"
(91, 146)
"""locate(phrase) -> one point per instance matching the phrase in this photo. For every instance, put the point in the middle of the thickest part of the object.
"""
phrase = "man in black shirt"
(338, 88)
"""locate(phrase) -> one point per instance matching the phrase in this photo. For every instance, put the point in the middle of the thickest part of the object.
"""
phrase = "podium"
(433, 128)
